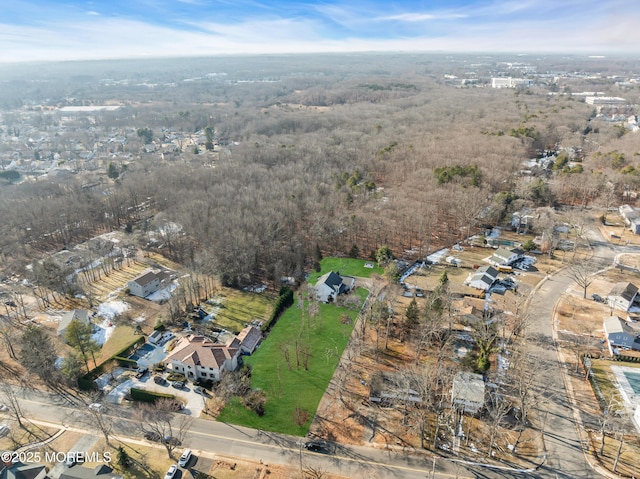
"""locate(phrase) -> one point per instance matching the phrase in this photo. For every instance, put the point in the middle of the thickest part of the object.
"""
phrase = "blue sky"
(35, 30)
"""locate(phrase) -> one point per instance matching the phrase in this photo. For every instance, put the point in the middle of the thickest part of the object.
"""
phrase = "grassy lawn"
(238, 308)
(345, 266)
(121, 336)
(287, 389)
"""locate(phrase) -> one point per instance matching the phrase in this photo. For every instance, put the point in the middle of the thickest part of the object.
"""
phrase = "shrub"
(284, 301)
(148, 396)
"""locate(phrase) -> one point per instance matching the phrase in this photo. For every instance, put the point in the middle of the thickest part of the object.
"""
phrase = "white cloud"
(422, 17)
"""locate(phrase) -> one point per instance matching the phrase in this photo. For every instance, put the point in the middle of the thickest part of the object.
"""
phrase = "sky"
(51, 30)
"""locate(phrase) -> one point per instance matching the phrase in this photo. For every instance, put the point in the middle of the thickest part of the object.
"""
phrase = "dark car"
(152, 436)
(141, 372)
(316, 446)
(160, 380)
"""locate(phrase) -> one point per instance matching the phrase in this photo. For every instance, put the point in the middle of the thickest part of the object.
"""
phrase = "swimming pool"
(633, 378)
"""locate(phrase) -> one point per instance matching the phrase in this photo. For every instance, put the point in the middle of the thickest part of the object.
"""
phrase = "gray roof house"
(77, 314)
(620, 334)
(22, 471)
(483, 278)
(249, 339)
(331, 284)
(622, 296)
(505, 257)
(101, 471)
(467, 393)
(147, 283)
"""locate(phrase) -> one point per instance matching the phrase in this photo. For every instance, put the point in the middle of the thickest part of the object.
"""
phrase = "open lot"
(293, 391)
(233, 309)
(346, 267)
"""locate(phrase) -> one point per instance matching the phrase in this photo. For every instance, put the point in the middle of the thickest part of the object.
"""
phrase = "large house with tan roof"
(147, 283)
(200, 358)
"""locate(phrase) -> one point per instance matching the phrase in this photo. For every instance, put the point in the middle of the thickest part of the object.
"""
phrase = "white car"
(3, 408)
(184, 459)
(96, 406)
(171, 472)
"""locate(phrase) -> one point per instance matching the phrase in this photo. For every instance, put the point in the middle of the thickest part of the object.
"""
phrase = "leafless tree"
(159, 421)
(583, 273)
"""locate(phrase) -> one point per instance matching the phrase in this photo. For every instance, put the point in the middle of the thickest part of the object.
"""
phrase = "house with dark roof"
(147, 283)
(483, 278)
(81, 315)
(331, 284)
(101, 471)
(249, 338)
(200, 358)
(622, 296)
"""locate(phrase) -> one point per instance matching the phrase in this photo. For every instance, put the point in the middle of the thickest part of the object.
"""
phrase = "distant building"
(604, 100)
(506, 257)
(467, 393)
(509, 82)
(101, 471)
(22, 471)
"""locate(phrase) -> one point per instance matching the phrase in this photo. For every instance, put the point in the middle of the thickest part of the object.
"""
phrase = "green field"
(235, 309)
(287, 389)
(345, 266)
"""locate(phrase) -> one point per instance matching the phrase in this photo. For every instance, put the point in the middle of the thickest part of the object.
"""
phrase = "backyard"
(293, 391)
(346, 267)
(233, 309)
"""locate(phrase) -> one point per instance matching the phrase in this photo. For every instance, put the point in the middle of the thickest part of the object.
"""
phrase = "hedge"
(125, 362)
(148, 396)
(86, 381)
(284, 301)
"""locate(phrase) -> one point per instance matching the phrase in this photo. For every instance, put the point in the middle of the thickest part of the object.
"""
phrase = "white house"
(622, 296)
(506, 257)
(81, 315)
(467, 393)
(147, 283)
(331, 284)
(199, 358)
(620, 334)
(483, 278)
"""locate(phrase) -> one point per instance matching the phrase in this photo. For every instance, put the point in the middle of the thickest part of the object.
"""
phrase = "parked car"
(316, 446)
(185, 458)
(152, 436)
(171, 472)
(160, 380)
(199, 389)
(141, 372)
(96, 406)
(178, 384)
(3, 408)
(174, 441)
(4, 430)
(598, 298)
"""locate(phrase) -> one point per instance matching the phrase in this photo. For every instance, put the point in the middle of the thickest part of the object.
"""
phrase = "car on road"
(185, 458)
(178, 384)
(171, 472)
(96, 406)
(152, 436)
(174, 441)
(316, 446)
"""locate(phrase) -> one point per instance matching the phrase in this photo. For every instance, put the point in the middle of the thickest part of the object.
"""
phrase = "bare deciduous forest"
(258, 161)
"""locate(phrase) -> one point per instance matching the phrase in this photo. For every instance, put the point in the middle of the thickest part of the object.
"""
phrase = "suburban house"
(467, 393)
(249, 338)
(522, 221)
(147, 283)
(22, 471)
(470, 311)
(631, 217)
(101, 471)
(620, 334)
(506, 257)
(331, 284)
(200, 358)
(622, 296)
(81, 315)
(483, 278)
